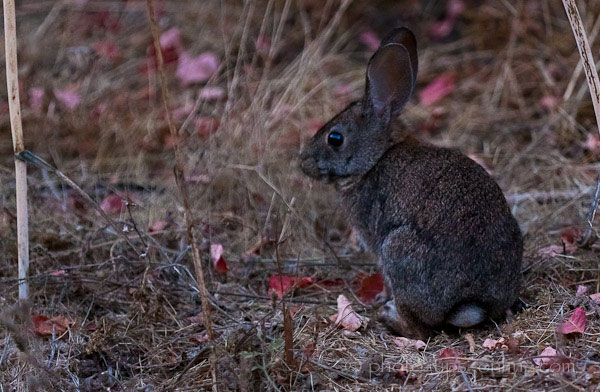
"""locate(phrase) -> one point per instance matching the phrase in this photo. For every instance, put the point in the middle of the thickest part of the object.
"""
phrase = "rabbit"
(449, 248)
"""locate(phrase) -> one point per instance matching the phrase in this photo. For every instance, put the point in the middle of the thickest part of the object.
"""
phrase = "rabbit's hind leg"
(403, 323)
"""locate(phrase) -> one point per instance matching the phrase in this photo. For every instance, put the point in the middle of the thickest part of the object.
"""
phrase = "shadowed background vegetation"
(497, 79)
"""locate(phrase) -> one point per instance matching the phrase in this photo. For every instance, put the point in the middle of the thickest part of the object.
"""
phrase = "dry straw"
(591, 74)
(12, 80)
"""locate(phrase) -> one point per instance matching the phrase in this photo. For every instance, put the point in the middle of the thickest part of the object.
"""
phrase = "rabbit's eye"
(335, 139)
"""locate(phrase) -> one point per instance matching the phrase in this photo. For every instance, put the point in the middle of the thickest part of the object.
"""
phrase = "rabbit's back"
(442, 229)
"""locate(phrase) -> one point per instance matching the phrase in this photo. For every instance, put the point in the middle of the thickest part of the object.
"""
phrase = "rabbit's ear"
(390, 80)
(405, 37)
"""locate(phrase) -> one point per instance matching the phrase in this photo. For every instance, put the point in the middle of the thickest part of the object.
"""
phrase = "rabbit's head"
(354, 140)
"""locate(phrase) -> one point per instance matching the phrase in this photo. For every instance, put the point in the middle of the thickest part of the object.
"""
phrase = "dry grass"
(132, 325)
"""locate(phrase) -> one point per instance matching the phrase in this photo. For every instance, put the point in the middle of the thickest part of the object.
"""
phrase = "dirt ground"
(499, 80)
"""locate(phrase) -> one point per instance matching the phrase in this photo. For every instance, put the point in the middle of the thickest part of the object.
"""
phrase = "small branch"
(12, 81)
(180, 180)
(28, 156)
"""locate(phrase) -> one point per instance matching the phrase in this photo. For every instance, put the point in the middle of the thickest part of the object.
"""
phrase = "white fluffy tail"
(467, 316)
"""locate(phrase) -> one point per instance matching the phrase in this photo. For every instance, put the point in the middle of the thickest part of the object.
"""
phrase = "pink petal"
(216, 255)
(212, 93)
(438, 89)
(170, 39)
(197, 69)
(68, 97)
(595, 298)
(575, 323)
(370, 40)
(36, 98)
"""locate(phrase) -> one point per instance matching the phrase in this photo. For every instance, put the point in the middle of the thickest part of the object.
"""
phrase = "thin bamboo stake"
(591, 74)
(12, 81)
(179, 178)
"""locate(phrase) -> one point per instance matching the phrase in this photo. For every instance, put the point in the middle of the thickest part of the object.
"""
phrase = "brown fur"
(439, 224)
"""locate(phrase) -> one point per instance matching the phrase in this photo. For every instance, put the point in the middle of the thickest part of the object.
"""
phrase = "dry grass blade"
(591, 74)
(179, 177)
(12, 80)
(589, 66)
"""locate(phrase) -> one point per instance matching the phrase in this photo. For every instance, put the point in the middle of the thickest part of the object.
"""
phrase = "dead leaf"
(36, 98)
(570, 238)
(196, 69)
(281, 285)
(218, 261)
(170, 39)
(370, 40)
(471, 341)
(550, 102)
(262, 43)
(550, 251)
(212, 93)
(549, 358)
(108, 50)
(493, 344)
(159, 225)
(581, 290)
(575, 324)
(370, 286)
(44, 326)
(592, 142)
(347, 318)
(439, 88)
(450, 356)
(206, 126)
(112, 204)
(69, 97)
(441, 29)
(409, 344)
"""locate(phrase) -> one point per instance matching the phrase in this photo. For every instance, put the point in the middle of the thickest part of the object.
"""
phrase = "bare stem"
(179, 177)
(12, 80)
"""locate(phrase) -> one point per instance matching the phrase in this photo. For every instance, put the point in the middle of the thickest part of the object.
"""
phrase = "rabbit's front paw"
(403, 324)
